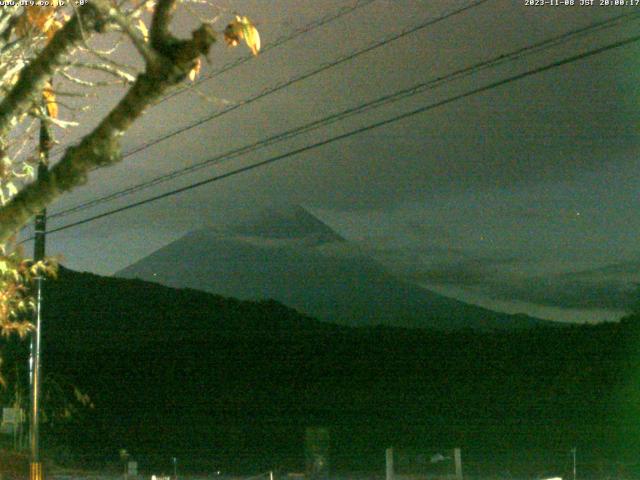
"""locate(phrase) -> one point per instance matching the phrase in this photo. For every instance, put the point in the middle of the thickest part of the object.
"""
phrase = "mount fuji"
(293, 257)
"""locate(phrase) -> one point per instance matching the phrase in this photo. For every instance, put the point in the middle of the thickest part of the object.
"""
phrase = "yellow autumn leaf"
(51, 31)
(40, 17)
(50, 100)
(243, 29)
(195, 70)
(143, 29)
(250, 33)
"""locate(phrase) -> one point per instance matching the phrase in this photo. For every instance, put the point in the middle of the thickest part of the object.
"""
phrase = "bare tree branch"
(136, 37)
(34, 76)
(8, 21)
(159, 33)
(168, 66)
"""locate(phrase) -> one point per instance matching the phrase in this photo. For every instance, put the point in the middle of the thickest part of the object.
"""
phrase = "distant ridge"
(281, 255)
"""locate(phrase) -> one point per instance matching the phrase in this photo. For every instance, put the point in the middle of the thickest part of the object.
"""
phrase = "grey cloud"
(566, 293)
(613, 287)
(467, 272)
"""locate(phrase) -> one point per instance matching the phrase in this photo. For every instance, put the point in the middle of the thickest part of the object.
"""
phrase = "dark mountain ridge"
(232, 383)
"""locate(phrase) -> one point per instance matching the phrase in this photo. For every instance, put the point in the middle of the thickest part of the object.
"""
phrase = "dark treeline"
(232, 385)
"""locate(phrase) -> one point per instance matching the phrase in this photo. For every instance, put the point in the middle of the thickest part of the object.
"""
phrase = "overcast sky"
(523, 198)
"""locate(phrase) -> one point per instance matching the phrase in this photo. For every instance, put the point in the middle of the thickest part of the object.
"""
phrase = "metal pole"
(389, 463)
(457, 455)
(35, 471)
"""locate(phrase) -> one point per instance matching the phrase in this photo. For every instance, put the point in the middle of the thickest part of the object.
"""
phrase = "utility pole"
(457, 456)
(389, 464)
(35, 470)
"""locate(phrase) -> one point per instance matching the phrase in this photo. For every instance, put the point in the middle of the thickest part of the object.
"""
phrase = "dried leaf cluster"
(16, 299)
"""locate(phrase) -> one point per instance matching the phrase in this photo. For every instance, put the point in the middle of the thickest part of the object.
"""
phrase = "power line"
(295, 34)
(309, 27)
(384, 100)
(360, 130)
(304, 76)
(299, 78)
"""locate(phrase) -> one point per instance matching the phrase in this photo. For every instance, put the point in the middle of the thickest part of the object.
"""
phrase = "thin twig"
(27, 138)
(199, 17)
(87, 83)
(117, 72)
(64, 93)
(136, 38)
(209, 98)
(34, 76)
(55, 121)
